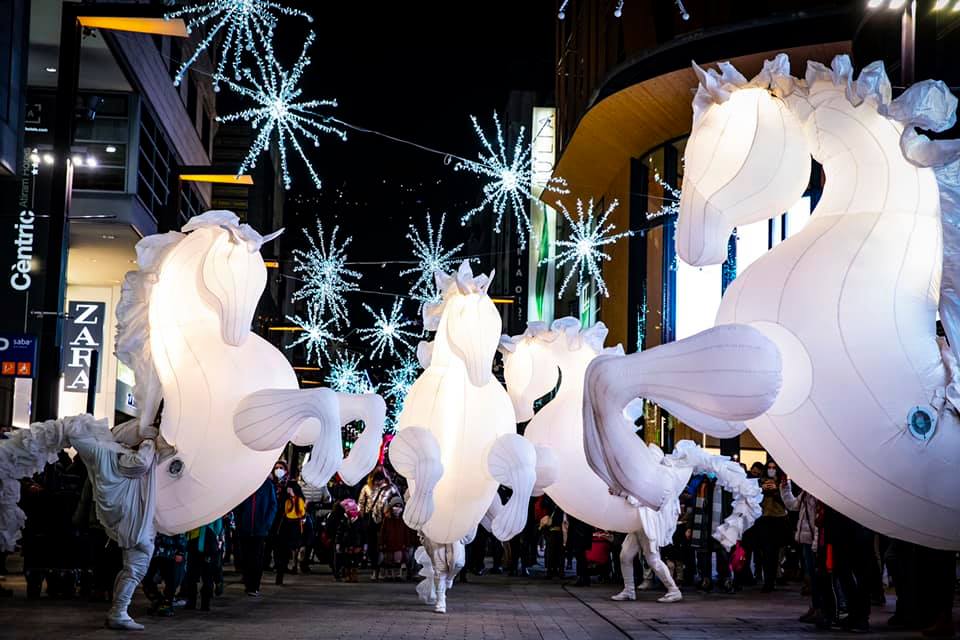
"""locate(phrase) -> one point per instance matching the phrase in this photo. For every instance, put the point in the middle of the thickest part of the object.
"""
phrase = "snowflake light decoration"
(399, 381)
(248, 26)
(431, 258)
(618, 10)
(326, 278)
(315, 336)
(584, 248)
(670, 205)
(280, 111)
(511, 179)
(387, 331)
(346, 377)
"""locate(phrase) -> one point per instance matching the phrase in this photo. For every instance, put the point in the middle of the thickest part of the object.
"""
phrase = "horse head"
(746, 159)
(233, 274)
(468, 320)
(530, 368)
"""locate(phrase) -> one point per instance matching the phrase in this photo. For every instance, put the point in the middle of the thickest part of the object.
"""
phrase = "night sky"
(416, 71)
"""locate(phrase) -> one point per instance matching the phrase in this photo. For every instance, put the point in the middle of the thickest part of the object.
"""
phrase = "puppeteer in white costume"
(866, 418)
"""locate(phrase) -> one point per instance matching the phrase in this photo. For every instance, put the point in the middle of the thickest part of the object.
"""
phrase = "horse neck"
(859, 150)
(180, 283)
(573, 368)
(442, 356)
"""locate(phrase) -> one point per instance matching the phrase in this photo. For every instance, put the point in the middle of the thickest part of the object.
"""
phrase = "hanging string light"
(280, 114)
(510, 179)
(618, 9)
(247, 27)
(326, 278)
(316, 335)
(431, 257)
(387, 331)
(346, 376)
(583, 250)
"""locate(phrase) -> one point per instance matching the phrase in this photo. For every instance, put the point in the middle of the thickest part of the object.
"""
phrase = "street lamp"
(908, 30)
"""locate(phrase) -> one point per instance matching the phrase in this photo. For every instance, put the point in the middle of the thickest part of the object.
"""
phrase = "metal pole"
(51, 350)
(92, 384)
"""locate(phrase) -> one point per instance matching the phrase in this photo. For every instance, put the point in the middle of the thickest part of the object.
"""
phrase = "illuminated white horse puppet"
(456, 436)
(231, 401)
(866, 419)
(533, 364)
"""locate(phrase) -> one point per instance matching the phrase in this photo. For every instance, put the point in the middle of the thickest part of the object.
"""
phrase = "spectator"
(290, 532)
(806, 535)
(349, 541)
(168, 566)
(203, 559)
(395, 539)
(772, 526)
(374, 497)
(255, 516)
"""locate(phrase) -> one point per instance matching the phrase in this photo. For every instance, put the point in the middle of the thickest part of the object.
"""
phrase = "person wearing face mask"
(374, 497)
(279, 478)
(773, 526)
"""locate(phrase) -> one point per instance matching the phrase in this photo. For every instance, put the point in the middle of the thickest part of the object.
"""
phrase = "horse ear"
(272, 236)
(486, 285)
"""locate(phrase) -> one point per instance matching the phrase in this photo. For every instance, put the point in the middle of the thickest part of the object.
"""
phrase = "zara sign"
(82, 336)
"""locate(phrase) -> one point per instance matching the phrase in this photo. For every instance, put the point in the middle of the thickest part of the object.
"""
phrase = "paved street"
(491, 607)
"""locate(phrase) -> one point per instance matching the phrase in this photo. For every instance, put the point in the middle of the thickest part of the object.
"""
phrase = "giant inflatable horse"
(866, 419)
(456, 436)
(230, 399)
(534, 363)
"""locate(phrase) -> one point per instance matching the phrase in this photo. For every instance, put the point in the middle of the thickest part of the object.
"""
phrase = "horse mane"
(132, 346)
(569, 328)
(463, 282)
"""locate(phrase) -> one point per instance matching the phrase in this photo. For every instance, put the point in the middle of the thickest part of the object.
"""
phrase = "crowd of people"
(287, 527)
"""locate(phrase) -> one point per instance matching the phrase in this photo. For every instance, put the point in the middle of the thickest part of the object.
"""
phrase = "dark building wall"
(14, 30)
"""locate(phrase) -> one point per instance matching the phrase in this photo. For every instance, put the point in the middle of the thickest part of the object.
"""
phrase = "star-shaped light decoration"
(247, 27)
(618, 9)
(510, 179)
(346, 376)
(431, 257)
(280, 113)
(326, 278)
(316, 334)
(387, 331)
(584, 247)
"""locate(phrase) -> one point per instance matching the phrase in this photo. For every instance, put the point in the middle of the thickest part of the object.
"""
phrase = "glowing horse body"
(230, 399)
(533, 364)
(866, 418)
(456, 436)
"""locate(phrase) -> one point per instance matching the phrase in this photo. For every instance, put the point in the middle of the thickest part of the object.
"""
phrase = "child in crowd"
(168, 565)
(349, 541)
(395, 538)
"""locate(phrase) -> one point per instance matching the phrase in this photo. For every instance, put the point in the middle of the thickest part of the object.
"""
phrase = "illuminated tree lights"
(399, 381)
(247, 26)
(387, 331)
(583, 250)
(315, 334)
(431, 258)
(279, 111)
(326, 278)
(510, 179)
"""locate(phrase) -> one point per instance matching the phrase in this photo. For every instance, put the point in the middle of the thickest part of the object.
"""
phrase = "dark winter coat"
(255, 515)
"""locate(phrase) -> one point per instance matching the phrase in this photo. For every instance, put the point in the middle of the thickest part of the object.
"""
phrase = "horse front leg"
(269, 418)
(415, 454)
(370, 409)
(512, 461)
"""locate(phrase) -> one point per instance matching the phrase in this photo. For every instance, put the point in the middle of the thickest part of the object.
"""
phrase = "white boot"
(628, 593)
(122, 622)
(673, 595)
(441, 606)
